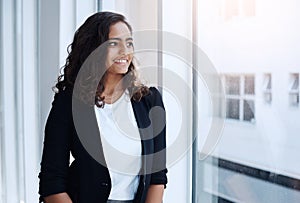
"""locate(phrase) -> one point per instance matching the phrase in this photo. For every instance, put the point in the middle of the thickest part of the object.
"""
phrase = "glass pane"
(255, 158)
(267, 82)
(233, 109)
(249, 110)
(232, 85)
(249, 85)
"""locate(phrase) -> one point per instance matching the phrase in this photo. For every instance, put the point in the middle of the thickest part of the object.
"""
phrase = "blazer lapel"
(141, 113)
(87, 130)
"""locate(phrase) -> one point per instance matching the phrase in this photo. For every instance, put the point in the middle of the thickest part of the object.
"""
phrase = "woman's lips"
(121, 61)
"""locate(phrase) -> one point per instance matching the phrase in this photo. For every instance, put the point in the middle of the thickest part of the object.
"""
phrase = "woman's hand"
(155, 194)
(58, 198)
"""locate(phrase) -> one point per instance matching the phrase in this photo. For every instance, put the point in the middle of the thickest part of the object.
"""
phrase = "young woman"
(90, 129)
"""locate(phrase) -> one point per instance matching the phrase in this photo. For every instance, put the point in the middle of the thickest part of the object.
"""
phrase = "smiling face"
(120, 49)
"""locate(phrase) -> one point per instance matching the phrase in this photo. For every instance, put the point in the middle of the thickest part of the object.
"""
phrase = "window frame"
(294, 92)
(267, 88)
(242, 97)
(240, 9)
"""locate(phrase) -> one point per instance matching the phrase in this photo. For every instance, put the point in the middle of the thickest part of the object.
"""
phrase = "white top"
(121, 146)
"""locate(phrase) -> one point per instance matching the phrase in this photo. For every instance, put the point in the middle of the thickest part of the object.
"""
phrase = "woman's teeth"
(120, 60)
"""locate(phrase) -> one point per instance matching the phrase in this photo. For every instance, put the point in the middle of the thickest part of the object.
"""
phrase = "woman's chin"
(119, 69)
(119, 72)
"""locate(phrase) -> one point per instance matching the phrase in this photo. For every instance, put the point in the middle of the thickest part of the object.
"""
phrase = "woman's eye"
(129, 44)
(112, 43)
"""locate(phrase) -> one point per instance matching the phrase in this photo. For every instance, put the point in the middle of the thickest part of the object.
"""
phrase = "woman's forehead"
(119, 30)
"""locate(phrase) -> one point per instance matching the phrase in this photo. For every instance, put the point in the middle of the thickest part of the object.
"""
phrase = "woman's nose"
(123, 49)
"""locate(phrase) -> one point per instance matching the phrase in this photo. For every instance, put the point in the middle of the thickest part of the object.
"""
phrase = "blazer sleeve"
(56, 151)
(158, 119)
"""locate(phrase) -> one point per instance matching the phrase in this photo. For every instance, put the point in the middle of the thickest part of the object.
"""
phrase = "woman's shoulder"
(154, 96)
(153, 91)
(63, 96)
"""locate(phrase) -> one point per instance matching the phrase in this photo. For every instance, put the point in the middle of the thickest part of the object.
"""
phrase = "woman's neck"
(112, 83)
(113, 88)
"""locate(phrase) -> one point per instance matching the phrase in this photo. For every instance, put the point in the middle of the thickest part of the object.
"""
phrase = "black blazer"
(86, 180)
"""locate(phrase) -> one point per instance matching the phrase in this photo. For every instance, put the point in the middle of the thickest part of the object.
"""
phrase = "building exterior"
(254, 46)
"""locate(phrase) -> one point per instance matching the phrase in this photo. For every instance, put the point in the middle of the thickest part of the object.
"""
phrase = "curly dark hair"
(91, 35)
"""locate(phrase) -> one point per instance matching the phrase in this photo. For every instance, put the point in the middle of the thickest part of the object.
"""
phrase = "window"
(294, 89)
(237, 8)
(267, 88)
(248, 110)
(249, 85)
(240, 91)
(247, 7)
(252, 163)
(233, 109)
(232, 85)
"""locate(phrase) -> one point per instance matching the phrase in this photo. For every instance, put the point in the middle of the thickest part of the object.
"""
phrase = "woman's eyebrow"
(119, 39)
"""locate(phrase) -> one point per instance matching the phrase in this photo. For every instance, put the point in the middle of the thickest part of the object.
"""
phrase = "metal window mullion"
(99, 5)
(38, 72)
(232, 96)
(194, 104)
(1, 108)
(75, 14)
(297, 81)
(10, 189)
(249, 97)
(19, 101)
(160, 44)
(29, 101)
(241, 100)
(298, 89)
